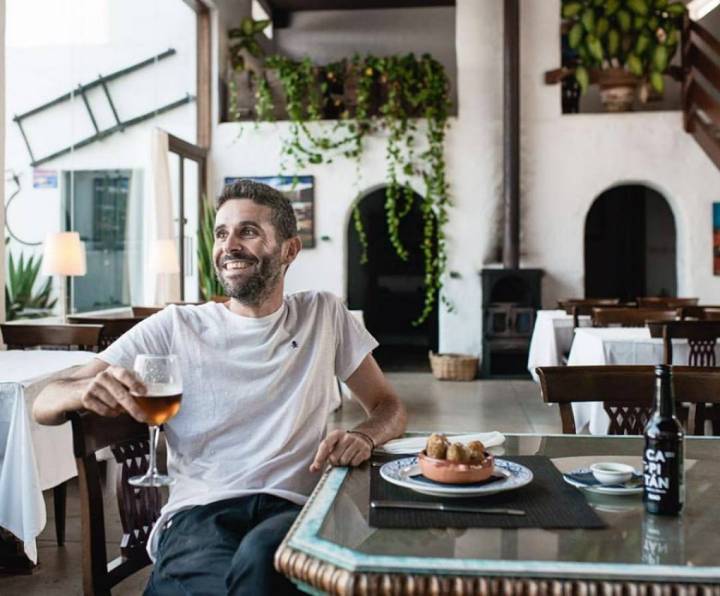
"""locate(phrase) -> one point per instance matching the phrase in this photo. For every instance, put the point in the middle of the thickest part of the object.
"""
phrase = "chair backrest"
(701, 337)
(663, 302)
(627, 394)
(145, 311)
(139, 507)
(630, 317)
(24, 337)
(586, 303)
(710, 313)
(112, 327)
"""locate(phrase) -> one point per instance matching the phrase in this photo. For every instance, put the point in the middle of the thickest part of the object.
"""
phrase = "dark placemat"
(549, 502)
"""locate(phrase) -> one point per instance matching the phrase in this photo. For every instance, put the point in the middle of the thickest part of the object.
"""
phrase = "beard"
(252, 289)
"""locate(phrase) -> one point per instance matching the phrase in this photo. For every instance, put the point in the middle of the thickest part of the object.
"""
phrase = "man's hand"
(341, 449)
(109, 393)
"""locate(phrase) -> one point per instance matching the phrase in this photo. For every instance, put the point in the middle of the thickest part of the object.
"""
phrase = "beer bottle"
(663, 471)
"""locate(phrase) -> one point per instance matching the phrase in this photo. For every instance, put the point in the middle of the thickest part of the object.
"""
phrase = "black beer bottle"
(663, 470)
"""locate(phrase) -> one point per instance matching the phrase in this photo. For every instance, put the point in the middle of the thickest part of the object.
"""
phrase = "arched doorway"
(630, 245)
(388, 290)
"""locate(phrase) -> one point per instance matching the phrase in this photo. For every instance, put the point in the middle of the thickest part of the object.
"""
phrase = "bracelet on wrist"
(364, 435)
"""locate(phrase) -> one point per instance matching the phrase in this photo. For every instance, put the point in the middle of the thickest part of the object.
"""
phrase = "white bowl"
(611, 472)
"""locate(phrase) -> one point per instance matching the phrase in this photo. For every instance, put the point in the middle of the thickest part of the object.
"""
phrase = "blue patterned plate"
(405, 472)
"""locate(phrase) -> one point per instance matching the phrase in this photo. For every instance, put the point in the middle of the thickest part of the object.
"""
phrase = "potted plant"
(622, 45)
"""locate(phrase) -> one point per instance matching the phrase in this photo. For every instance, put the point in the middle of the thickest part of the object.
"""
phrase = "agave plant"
(209, 284)
(20, 300)
(640, 36)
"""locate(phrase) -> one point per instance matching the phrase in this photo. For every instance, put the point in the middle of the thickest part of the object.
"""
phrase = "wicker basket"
(453, 367)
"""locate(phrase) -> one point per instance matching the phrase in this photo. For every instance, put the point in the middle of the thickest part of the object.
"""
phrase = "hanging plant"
(390, 95)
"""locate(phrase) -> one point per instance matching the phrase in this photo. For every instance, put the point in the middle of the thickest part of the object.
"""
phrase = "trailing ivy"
(389, 95)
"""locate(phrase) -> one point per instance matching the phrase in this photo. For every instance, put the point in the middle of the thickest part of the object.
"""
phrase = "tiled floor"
(509, 406)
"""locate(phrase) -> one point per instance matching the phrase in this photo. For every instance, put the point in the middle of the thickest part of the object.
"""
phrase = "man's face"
(248, 258)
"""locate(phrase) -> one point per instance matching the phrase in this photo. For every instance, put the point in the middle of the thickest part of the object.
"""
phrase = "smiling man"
(259, 379)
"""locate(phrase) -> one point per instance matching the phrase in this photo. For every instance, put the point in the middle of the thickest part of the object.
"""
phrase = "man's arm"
(97, 386)
(386, 419)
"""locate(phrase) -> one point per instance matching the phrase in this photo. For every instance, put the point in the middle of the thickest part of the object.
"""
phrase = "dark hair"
(283, 216)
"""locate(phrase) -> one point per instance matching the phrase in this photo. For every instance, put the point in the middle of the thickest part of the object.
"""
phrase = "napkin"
(414, 445)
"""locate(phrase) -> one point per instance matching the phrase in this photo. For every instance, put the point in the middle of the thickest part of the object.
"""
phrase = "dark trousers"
(224, 548)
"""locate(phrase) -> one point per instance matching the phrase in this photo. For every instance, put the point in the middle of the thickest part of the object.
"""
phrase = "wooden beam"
(204, 78)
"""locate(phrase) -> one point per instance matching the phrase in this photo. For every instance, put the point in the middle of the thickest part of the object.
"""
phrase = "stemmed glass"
(161, 375)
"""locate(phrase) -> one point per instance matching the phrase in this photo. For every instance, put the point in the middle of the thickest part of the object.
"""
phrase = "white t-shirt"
(256, 394)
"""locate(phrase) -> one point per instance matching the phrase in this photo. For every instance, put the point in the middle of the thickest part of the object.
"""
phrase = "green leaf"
(575, 35)
(634, 65)
(588, 20)
(571, 9)
(611, 7)
(639, 23)
(639, 7)
(594, 47)
(660, 58)
(657, 81)
(675, 9)
(247, 26)
(642, 44)
(624, 20)
(583, 78)
(259, 26)
(602, 26)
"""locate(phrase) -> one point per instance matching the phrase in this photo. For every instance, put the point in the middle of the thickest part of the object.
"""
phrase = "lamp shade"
(164, 257)
(64, 254)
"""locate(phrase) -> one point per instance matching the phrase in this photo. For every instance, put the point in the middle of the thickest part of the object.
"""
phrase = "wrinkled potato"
(476, 451)
(456, 453)
(437, 446)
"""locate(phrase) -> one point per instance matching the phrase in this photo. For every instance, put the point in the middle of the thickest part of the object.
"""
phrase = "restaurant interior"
(513, 197)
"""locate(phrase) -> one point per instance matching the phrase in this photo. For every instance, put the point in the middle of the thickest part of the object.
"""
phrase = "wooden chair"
(145, 311)
(711, 313)
(112, 327)
(663, 302)
(630, 317)
(627, 394)
(139, 507)
(583, 306)
(26, 337)
(701, 337)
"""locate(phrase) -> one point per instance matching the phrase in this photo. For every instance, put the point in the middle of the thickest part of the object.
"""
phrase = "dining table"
(33, 458)
(334, 546)
(600, 346)
(551, 338)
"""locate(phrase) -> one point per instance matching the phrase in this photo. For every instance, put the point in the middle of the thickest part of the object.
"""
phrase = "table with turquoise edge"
(331, 549)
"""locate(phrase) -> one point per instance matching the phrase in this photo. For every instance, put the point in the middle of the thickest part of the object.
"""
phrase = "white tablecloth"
(616, 345)
(33, 458)
(552, 337)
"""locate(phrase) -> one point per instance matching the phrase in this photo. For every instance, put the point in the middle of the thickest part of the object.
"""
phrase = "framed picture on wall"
(300, 190)
(716, 238)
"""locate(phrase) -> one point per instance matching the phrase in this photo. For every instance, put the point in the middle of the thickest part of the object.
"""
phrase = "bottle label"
(662, 471)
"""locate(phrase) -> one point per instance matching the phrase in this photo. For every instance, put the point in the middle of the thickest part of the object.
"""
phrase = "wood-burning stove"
(510, 299)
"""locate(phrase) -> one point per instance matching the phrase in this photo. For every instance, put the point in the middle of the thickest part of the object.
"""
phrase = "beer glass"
(161, 375)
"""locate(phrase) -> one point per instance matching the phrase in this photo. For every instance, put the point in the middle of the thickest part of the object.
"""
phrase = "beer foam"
(162, 389)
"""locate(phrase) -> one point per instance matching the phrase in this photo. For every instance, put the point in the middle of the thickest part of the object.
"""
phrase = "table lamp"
(164, 257)
(64, 255)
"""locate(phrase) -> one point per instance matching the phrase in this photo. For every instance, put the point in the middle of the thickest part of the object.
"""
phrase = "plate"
(602, 489)
(402, 472)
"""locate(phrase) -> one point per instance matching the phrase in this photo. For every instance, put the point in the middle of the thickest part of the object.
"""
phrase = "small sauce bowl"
(611, 472)
(449, 472)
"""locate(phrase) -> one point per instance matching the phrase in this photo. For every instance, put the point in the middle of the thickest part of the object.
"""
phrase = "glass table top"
(633, 544)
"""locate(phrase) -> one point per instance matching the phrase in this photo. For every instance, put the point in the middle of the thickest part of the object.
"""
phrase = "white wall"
(122, 32)
(567, 161)
(2, 151)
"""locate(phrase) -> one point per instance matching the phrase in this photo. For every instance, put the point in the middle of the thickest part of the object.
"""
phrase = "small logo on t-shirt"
(294, 345)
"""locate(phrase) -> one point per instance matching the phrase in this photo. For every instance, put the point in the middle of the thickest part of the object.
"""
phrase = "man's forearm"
(385, 422)
(58, 398)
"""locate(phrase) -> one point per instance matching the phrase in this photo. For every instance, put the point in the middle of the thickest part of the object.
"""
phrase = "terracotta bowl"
(442, 470)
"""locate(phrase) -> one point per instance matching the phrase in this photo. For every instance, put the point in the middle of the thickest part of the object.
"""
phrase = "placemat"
(549, 502)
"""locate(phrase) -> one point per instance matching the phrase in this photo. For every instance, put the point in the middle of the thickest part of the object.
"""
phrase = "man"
(259, 378)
